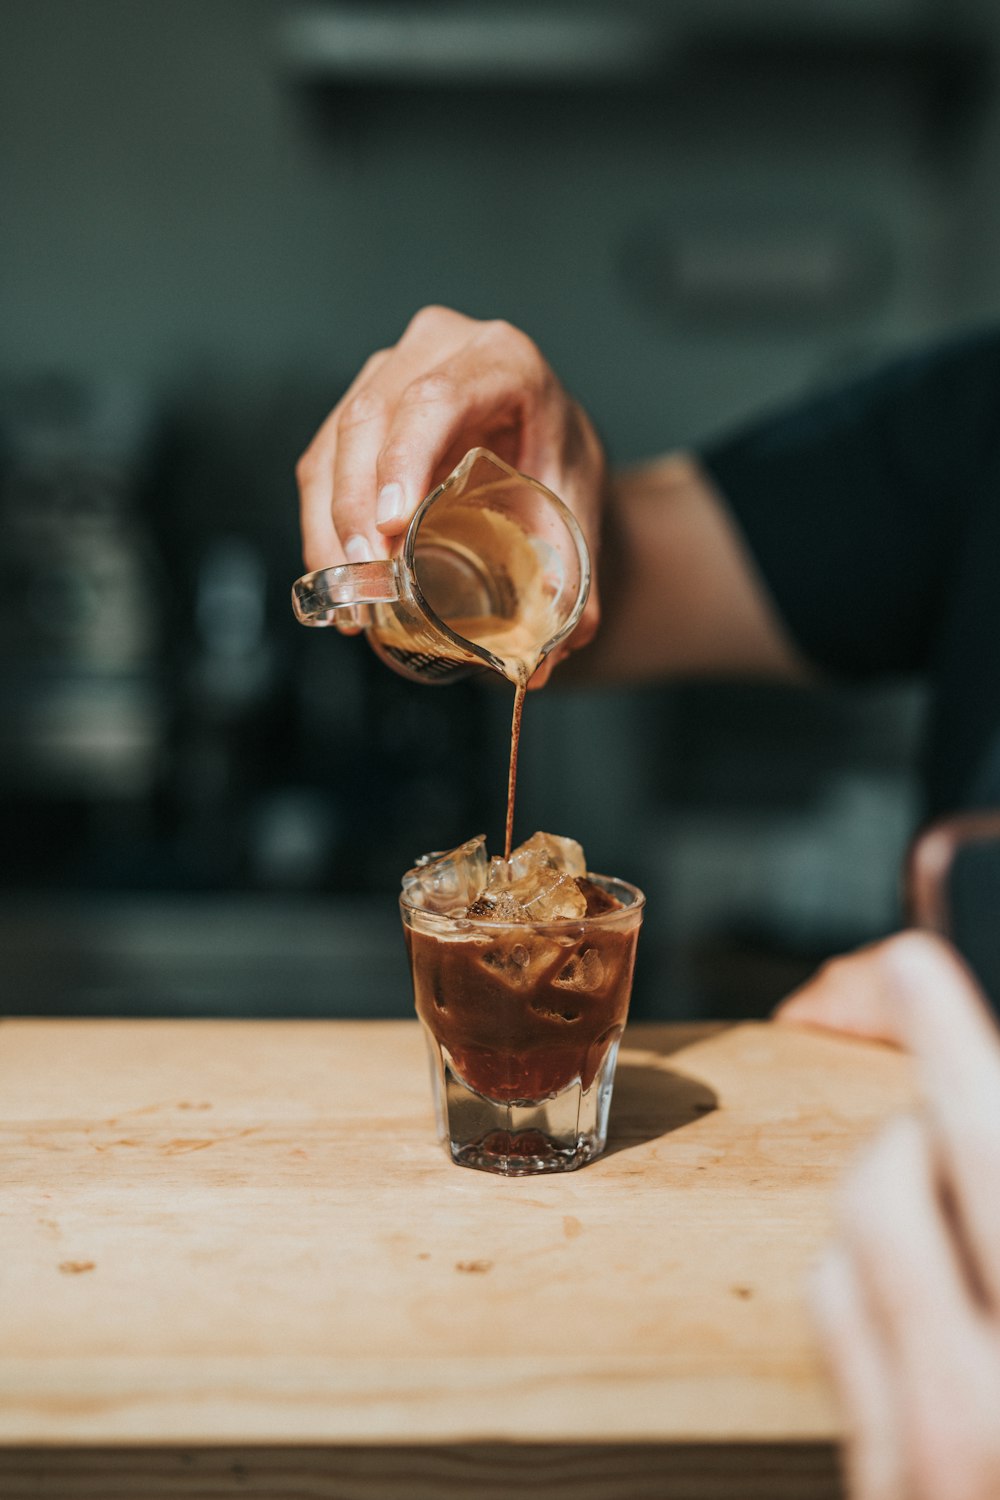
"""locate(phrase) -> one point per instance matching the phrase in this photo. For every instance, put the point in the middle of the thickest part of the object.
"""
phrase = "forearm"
(681, 593)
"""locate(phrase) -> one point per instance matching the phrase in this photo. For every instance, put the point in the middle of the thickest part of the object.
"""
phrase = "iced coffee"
(522, 973)
(522, 965)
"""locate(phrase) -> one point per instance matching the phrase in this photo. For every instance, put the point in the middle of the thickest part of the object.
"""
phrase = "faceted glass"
(523, 1021)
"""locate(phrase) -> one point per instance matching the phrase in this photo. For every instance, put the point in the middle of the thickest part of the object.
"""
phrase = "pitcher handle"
(930, 862)
(327, 596)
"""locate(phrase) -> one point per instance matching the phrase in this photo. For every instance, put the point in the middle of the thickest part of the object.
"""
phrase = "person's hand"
(451, 383)
(849, 994)
(907, 1297)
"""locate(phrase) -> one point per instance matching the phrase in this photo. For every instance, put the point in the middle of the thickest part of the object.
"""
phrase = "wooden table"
(235, 1261)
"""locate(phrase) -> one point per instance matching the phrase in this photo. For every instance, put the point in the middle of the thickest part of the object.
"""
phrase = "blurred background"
(212, 211)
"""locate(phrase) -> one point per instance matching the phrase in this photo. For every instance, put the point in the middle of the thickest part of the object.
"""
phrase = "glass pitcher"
(493, 572)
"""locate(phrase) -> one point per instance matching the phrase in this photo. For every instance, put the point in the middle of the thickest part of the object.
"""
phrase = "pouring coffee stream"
(493, 573)
(518, 647)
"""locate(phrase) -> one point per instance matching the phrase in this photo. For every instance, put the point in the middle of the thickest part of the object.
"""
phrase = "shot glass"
(523, 1022)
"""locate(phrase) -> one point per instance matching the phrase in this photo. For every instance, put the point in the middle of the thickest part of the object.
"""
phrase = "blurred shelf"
(498, 47)
(492, 45)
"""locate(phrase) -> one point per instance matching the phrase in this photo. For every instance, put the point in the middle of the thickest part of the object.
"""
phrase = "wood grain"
(471, 1472)
(232, 1233)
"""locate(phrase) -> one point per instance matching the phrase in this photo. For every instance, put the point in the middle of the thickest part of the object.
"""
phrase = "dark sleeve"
(853, 502)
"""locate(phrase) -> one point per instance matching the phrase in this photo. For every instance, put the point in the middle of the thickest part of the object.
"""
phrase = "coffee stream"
(520, 689)
(512, 616)
(519, 648)
(517, 670)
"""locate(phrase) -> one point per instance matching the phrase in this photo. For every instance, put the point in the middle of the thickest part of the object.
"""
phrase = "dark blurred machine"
(204, 809)
(81, 704)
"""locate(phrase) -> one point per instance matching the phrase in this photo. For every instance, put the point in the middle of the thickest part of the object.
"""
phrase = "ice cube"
(562, 854)
(557, 901)
(545, 893)
(499, 875)
(521, 962)
(502, 907)
(448, 882)
(584, 971)
(527, 878)
(536, 884)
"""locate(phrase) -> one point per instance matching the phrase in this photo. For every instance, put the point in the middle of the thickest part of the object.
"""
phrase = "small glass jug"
(493, 572)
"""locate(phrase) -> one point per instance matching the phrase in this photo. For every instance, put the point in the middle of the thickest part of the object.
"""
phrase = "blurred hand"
(451, 383)
(849, 994)
(907, 1297)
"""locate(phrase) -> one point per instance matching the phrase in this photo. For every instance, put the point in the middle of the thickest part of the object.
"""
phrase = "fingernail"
(390, 503)
(357, 549)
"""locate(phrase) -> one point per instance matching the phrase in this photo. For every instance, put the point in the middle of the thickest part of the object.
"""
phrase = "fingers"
(861, 1378)
(360, 435)
(908, 1299)
(431, 338)
(320, 544)
(894, 1224)
(913, 1364)
(849, 994)
(886, 990)
(913, 990)
(451, 383)
(314, 472)
(346, 446)
(496, 380)
(944, 1021)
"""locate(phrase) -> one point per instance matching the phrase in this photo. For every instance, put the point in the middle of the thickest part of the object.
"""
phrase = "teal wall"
(174, 210)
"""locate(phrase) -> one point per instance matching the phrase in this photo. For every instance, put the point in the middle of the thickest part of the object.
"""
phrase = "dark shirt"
(873, 513)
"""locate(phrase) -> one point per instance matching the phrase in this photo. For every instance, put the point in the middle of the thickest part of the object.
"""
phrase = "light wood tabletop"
(236, 1260)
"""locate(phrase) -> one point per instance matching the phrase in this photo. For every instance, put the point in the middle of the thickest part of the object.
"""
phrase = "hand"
(908, 1297)
(450, 384)
(848, 994)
